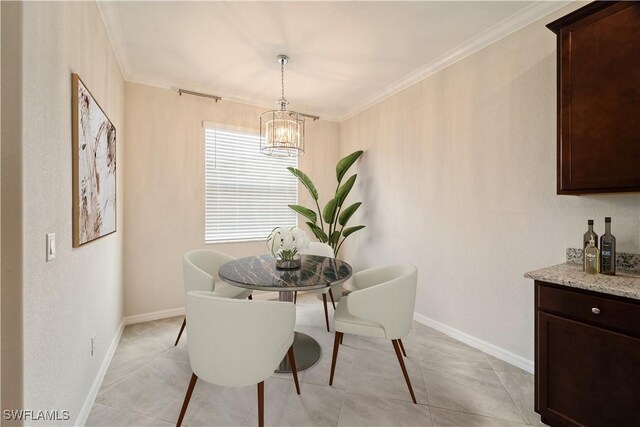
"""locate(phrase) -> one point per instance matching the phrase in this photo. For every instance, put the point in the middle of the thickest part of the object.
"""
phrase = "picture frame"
(94, 167)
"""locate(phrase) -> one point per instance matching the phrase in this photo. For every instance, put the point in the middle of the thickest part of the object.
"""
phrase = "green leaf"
(344, 189)
(346, 214)
(306, 212)
(349, 231)
(329, 212)
(317, 231)
(333, 240)
(345, 163)
(306, 181)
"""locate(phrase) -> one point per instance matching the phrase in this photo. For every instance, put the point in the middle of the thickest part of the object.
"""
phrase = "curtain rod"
(310, 116)
(188, 92)
(219, 98)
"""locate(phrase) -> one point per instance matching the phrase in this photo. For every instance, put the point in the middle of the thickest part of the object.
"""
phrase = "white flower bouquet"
(285, 243)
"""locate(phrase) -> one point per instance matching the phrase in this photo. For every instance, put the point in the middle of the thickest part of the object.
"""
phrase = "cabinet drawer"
(597, 309)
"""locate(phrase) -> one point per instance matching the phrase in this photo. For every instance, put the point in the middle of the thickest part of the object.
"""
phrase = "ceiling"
(344, 56)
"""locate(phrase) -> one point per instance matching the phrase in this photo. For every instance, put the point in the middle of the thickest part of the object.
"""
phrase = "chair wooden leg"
(336, 344)
(402, 348)
(295, 297)
(250, 297)
(187, 397)
(326, 312)
(261, 404)
(333, 302)
(294, 370)
(184, 323)
(341, 338)
(396, 347)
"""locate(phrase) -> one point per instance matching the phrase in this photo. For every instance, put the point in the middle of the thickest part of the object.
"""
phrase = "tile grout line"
(424, 378)
(478, 415)
(131, 412)
(344, 395)
(156, 357)
(473, 413)
(392, 355)
(509, 394)
(137, 335)
(126, 376)
(162, 353)
(250, 413)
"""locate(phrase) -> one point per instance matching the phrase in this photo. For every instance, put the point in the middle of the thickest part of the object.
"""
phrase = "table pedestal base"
(307, 352)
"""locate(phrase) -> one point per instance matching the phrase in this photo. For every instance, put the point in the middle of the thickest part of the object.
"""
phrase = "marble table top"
(259, 272)
(624, 284)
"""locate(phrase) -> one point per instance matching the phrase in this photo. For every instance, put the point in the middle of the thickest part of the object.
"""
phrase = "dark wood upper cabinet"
(599, 98)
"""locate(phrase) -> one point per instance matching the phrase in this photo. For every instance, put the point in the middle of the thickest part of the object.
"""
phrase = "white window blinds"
(246, 192)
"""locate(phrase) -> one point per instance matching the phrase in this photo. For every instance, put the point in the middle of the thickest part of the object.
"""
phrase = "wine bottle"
(607, 250)
(587, 237)
(591, 258)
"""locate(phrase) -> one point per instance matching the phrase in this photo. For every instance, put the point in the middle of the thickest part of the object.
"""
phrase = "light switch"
(51, 246)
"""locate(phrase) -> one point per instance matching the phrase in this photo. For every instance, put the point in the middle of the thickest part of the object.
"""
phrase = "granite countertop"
(624, 283)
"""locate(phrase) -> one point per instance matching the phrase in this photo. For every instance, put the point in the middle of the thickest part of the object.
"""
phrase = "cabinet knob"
(595, 310)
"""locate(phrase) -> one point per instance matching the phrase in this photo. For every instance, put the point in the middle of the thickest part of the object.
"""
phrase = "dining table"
(260, 273)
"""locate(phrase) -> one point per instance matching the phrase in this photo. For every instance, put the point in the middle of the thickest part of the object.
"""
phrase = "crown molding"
(507, 26)
(497, 32)
(109, 21)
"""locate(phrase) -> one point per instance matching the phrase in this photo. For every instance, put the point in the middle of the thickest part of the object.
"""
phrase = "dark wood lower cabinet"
(587, 370)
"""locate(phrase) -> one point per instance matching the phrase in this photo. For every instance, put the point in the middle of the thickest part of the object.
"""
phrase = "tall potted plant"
(329, 225)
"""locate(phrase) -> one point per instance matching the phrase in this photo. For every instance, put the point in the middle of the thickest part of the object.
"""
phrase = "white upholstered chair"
(381, 306)
(236, 343)
(200, 272)
(321, 249)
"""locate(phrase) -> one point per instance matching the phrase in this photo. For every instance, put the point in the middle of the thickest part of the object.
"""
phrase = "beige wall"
(0, 210)
(165, 187)
(459, 178)
(79, 294)
(11, 153)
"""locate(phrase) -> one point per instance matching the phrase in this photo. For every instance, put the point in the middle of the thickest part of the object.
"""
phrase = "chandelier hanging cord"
(282, 59)
(282, 77)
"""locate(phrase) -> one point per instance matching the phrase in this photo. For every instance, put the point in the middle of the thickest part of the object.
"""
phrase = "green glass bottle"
(591, 258)
(590, 234)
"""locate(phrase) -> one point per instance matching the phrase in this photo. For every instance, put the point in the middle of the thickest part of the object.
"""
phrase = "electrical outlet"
(93, 345)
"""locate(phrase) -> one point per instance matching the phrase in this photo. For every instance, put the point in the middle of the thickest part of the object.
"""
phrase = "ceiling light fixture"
(282, 131)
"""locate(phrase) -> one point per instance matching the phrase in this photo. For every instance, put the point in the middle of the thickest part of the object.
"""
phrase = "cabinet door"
(599, 101)
(586, 375)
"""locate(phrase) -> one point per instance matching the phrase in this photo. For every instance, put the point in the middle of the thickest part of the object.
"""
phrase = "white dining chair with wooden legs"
(200, 271)
(236, 343)
(381, 306)
(320, 249)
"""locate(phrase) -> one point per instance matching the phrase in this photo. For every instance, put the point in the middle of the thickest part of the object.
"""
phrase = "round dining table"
(260, 273)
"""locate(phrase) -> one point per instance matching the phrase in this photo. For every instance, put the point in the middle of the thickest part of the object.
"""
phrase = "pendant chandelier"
(282, 131)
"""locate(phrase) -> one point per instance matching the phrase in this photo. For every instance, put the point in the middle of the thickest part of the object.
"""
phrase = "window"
(246, 192)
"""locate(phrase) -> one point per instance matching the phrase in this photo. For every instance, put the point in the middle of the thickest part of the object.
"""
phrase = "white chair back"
(387, 296)
(237, 342)
(200, 269)
(320, 249)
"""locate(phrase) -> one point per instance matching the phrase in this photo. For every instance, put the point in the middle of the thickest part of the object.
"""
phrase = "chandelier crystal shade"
(282, 131)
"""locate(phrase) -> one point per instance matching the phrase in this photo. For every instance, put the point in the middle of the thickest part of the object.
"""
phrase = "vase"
(288, 264)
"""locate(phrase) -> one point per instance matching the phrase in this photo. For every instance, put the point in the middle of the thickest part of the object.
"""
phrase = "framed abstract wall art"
(94, 167)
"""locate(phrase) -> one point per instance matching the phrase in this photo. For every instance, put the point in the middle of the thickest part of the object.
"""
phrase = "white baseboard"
(495, 351)
(97, 382)
(154, 315)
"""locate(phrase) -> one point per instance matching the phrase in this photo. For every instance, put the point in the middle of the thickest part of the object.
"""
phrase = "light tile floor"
(455, 385)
